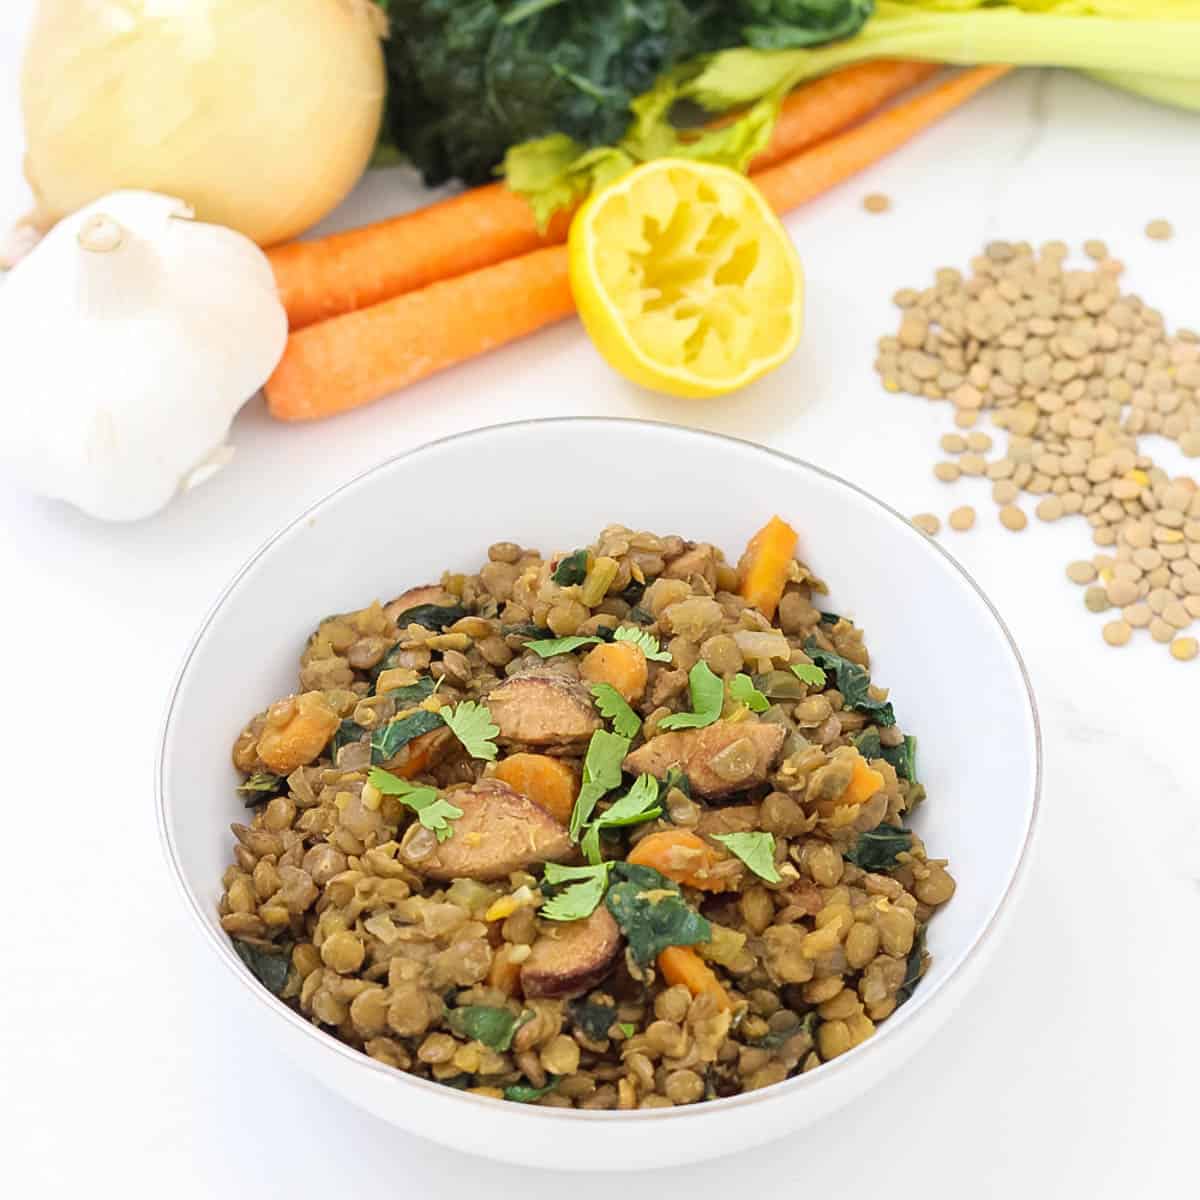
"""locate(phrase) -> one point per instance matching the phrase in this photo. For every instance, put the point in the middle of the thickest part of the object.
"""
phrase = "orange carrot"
(358, 357)
(681, 964)
(835, 102)
(328, 276)
(547, 781)
(864, 783)
(353, 359)
(621, 664)
(764, 566)
(807, 175)
(683, 857)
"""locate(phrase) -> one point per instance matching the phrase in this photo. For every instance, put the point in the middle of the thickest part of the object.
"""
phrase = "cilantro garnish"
(807, 673)
(549, 647)
(708, 698)
(639, 804)
(526, 1093)
(472, 724)
(628, 1028)
(756, 850)
(615, 707)
(601, 773)
(582, 895)
(647, 643)
(741, 688)
(434, 812)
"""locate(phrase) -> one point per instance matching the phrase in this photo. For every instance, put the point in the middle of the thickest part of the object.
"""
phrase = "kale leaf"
(876, 849)
(260, 787)
(269, 967)
(902, 757)
(492, 1026)
(388, 740)
(914, 969)
(853, 682)
(592, 1020)
(652, 912)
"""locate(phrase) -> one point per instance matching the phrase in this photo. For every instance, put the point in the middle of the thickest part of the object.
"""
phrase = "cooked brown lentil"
(1075, 371)
(962, 519)
(352, 911)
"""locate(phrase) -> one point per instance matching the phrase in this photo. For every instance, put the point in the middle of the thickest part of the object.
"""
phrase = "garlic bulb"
(132, 336)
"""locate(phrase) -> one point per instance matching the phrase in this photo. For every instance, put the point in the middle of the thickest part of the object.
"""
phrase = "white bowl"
(955, 675)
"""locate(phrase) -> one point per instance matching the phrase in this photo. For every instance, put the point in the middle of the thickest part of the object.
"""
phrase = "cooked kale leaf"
(876, 849)
(592, 1020)
(269, 967)
(526, 1093)
(492, 1026)
(572, 569)
(431, 616)
(470, 78)
(915, 968)
(902, 757)
(260, 787)
(853, 682)
(388, 740)
(652, 912)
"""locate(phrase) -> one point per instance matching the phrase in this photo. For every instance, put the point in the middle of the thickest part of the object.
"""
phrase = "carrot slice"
(681, 964)
(864, 783)
(547, 781)
(683, 857)
(621, 664)
(764, 566)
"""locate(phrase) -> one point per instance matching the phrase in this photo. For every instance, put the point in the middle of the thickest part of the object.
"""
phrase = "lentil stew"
(623, 827)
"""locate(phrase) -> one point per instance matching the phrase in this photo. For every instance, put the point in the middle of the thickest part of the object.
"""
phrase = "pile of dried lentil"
(1073, 370)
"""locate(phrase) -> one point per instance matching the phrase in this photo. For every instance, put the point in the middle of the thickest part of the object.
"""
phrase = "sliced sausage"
(572, 957)
(718, 760)
(500, 831)
(543, 710)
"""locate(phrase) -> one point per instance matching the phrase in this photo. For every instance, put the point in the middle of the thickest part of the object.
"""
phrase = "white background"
(1071, 1070)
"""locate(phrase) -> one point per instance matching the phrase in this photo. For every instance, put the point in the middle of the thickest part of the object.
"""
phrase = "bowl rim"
(529, 1112)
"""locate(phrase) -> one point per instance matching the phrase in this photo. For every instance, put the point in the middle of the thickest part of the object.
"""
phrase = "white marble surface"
(1071, 1071)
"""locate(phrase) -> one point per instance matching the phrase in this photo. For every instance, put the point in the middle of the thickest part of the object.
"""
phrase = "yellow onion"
(260, 114)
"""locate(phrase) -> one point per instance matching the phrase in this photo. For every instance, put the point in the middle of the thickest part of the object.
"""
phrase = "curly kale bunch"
(469, 78)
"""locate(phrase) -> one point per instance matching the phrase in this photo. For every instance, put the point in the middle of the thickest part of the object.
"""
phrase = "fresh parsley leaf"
(756, 850)
(388, 740)
(526, 1093)
(742, 689)
(431, 616)
(581, 895)
(652, 913)
(433, 811)
(853, 682)
(492, 1026)
(810, 674)
(260, 787)
(471, 723)
(601, 773)
(549, 647)
(647, 643)
(592, 1020)
(269, 967)
(708, 698)
(572, 569)
(590, 845)
(628, 1028)
(638, 804)
(616, 708)
(876, 849)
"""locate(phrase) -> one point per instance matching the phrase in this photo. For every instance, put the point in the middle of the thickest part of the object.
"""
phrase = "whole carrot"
(350, 360)
(358, 357)
(328, 276)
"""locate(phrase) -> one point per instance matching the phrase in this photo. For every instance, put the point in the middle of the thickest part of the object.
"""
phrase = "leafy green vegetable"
(676, 778)
(876, 849)
(756, 850)
(433, 811)
(593, 1020)
(708, 698)
(807, 673)
(601, 773)
(493, 1027)
(269, 967)
(388, 740)
(914, 968)
(572, 569)
(261, 786)
(775, 1039)
(470, 78)
(652, 913)
(831, 618)
(902, 757)
(347, 733)
(414, 693)
(742, 689)
(853, 682)
(628, 1028)
(581, 895)
(638, 804)
(526, 1093)
(549, 647)
(471, 722)
(647, 643)
(616, 708)
(641, 615)
(431, 616)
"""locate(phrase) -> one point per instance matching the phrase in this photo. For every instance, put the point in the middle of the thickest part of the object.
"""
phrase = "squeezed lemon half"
(685, 280)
